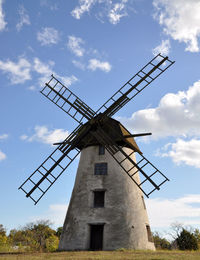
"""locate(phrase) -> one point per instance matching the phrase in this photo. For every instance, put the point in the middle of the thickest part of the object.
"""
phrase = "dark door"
(96, 237)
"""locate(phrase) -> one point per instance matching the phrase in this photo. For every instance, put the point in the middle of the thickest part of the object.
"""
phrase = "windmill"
(107, 209)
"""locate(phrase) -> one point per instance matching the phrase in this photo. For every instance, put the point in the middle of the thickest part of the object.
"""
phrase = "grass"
(106, 255)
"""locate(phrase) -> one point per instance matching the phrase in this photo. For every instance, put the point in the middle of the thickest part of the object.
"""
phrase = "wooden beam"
(137, 135)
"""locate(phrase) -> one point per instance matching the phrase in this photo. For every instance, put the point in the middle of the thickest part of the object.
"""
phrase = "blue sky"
(94, 47)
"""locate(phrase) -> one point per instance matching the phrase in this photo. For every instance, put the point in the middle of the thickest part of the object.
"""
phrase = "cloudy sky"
(94, 47)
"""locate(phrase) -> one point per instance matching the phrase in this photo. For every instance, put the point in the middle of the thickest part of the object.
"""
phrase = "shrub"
(161, 243)
(187, 241)
(52, 243)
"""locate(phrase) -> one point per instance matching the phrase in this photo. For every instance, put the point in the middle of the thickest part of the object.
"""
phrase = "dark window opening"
(149, 235)
(96, 237)
(143, 202)
(99, 197)
(101, 150)
(100, 169)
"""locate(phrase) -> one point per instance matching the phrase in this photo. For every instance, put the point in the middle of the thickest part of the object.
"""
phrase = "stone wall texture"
(124, 215)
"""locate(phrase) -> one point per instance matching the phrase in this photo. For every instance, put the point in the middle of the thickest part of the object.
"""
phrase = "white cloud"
(74, 44)
(172, 210)
(18, 72)
(163, 48)
(24, 18)
(44, 135)
(117, 12)
(52, 6)
(2, 156)
(78, 64)
(42, 68)
(182, 151)
(95, 64)
(84, 6)
(3, 136)
(176, 115)
(24, 137)
(56, 214)
(45, 70)
(2, 21)
(181, 20)
(67, 81)
(114, 11)
(32, 88)
(48, 36)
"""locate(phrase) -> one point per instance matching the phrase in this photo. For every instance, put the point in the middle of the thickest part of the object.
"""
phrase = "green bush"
(187, 241)
(161, 243)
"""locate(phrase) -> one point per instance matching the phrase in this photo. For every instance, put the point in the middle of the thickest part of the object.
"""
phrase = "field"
(106, 255)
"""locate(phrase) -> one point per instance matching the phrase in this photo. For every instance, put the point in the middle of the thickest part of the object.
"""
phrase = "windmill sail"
(97, 129)
(135, 85)
(39, 182)
(65, 99)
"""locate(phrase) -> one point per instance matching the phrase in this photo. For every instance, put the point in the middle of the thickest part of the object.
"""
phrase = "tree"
(3, 237)
(40, 231)
(185, 238)
(187, 241)
(161, 243)
(59, 231)
(20, 238)
(35, 236)
(197, 234)
(176, 229)
(52, 243)
(2, 230)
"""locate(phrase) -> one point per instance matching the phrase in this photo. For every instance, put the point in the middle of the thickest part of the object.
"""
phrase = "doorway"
(96, 237)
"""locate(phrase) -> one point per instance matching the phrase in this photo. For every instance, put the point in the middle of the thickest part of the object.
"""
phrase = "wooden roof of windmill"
(116, 131)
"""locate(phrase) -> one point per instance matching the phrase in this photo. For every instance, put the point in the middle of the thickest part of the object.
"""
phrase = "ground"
(107, 255)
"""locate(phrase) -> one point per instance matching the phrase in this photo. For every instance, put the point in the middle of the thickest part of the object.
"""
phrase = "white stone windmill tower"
(107, 209)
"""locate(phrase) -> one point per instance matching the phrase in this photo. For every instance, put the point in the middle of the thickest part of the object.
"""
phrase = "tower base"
(107, 209)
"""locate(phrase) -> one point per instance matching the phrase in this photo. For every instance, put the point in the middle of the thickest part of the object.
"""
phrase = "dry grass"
(105, 255)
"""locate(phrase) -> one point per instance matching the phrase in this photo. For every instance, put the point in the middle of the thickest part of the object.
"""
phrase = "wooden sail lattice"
(90, 124)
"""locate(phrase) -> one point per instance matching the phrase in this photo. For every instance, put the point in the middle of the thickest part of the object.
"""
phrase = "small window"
(99, 199)
(100, 169)
(101, 150)
(143, 202)
(149, 235)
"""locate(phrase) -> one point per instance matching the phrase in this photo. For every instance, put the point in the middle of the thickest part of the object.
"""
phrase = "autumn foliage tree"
(38, 236)
(3, 237)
